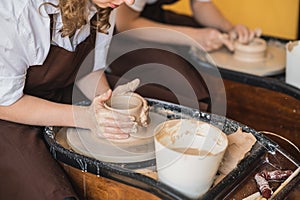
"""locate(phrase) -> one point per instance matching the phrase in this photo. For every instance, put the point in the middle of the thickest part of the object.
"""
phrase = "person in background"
(43, 44)
(207, 25)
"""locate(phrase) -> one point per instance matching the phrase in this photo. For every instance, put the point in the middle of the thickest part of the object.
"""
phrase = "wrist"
(227, 27)
(82, 117)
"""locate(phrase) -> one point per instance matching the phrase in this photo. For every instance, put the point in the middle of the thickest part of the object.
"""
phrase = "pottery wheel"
(274, 62)
(137, 148)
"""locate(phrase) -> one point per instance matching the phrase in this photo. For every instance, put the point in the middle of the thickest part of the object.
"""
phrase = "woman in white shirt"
(43, 44)
(206, 26)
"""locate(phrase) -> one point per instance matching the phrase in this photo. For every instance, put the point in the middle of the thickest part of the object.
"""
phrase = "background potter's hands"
(144, 113)
(128, 88)
(211, 39)
(243, 34)
(109, 124)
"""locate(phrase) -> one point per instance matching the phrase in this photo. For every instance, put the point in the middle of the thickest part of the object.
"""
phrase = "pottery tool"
(293, 175)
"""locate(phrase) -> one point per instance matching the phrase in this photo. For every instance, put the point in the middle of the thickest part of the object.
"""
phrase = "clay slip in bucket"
(188, 155)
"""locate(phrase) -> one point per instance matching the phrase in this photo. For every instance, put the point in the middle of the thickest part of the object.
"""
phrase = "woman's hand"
(211, 39)
(127, 88)
(243, 34)
(109, 124)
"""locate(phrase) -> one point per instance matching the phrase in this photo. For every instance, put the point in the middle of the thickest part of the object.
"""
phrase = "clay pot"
(252, 52)
(130, 104)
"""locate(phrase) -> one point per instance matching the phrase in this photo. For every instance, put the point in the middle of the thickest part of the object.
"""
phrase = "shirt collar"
(81, 34)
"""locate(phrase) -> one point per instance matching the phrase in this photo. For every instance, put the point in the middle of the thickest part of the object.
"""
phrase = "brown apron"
(27, 169)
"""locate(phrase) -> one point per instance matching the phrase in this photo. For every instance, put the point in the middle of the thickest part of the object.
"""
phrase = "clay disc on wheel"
(137, 148)
(274, 62)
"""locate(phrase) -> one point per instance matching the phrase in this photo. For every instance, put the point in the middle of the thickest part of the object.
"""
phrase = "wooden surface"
(265, 110)
(92, 187)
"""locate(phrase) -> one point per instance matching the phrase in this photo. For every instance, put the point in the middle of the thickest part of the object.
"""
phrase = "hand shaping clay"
(132, 104)
(268, 63)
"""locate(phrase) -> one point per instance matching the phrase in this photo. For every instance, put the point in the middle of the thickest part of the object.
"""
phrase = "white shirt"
(140, 4)
(25, 41)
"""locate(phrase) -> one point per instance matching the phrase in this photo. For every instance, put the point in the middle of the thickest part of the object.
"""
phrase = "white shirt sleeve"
(25, 41)
(12, 65)
(20, 46)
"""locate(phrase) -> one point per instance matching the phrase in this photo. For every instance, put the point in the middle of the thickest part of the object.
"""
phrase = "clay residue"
(193, 151)
(172, 131)
(175, 129)
(291, 45)
(169, 130)
(144, 115)
(239, 144)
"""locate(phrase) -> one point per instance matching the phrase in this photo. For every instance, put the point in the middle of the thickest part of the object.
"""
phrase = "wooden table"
(265, 104)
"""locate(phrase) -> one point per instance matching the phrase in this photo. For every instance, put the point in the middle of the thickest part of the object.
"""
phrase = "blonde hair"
(74, 16)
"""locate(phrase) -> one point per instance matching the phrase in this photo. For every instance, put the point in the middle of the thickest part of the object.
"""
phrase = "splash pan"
(238, 184)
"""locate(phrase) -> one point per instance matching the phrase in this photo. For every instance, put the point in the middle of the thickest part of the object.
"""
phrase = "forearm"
(36, 111)
(93, 84)
(128, 19)
(207, 14)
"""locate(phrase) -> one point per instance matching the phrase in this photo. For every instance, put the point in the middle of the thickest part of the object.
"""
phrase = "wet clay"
(172, 131)
(291, 45)
(239, 143)
(132, 104)
(193, 151)
(254, 51)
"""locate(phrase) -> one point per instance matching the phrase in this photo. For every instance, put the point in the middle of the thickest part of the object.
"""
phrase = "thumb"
(128, 87)
(225, 39)
(103, 97)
